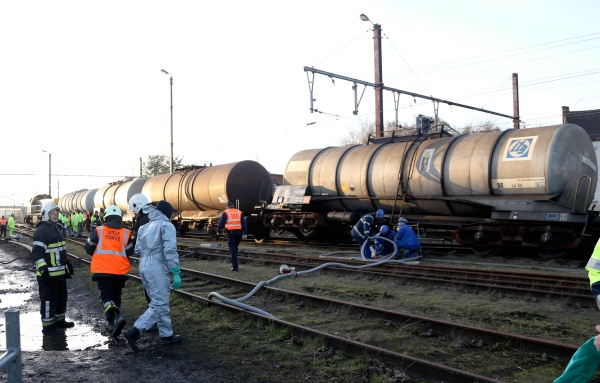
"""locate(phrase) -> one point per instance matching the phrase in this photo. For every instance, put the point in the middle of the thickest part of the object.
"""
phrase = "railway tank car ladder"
(403, 183)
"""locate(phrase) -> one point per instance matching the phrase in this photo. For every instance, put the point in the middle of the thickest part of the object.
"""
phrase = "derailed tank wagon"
(198, 194)
(522, 187)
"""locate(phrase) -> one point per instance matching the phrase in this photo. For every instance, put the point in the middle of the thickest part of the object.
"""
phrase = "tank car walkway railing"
(11, 359)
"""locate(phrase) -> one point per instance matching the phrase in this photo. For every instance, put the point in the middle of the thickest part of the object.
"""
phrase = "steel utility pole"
(378, 81)
(378, 76)
(515, 84)
(171, 82)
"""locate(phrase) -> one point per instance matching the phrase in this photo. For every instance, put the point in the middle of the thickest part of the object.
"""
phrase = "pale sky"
(82, 80)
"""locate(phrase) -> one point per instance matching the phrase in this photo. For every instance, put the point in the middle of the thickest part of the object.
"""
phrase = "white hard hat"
(112, 210)
(137, 202)
(47, 208)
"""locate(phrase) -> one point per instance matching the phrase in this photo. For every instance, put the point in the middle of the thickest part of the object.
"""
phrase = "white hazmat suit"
(157, 246)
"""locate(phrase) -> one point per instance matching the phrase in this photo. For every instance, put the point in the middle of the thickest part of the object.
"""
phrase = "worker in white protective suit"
(157, 246)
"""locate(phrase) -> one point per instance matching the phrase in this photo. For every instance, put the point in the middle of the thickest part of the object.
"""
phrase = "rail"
(11, 359)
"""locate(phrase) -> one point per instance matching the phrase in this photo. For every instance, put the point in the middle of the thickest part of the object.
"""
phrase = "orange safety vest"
(2, 221)
(234, 219)
(110, 257)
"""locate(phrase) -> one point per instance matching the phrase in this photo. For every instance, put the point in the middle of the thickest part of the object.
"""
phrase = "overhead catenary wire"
(500, 55)
(515, 49)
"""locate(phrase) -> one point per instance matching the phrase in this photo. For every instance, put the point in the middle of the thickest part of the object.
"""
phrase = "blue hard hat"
(402, 220)
(384, 229)
(380, 213)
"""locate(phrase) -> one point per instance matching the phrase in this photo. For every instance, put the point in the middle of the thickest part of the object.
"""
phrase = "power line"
(507, 51)
(61, 175)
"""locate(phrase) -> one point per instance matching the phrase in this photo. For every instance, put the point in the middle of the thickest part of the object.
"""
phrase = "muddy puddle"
(19, 290)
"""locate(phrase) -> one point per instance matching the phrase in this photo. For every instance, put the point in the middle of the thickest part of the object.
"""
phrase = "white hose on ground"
(294, 273)
(368, 243)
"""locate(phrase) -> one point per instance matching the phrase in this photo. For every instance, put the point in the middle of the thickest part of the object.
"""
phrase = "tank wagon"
(34, 209)
(518, 187)
(198, 194)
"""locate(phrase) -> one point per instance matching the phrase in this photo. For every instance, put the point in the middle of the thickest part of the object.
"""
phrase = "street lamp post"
(171, 161)
(49, 172)
(378, 77)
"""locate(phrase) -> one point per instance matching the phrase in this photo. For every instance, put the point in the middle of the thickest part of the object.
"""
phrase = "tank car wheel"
(552, 253)
(278, 231)
(485, 251)
(308, 232)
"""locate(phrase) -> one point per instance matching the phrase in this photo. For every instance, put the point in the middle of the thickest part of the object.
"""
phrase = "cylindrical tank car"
(526, 187)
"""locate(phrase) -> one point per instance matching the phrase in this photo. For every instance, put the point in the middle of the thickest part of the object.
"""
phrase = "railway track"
(526, 285)
(387, 330)
(401, 339)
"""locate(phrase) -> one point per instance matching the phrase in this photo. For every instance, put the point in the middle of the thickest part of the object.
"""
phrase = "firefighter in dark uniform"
(362, 230)
(49, 253)
(233, 220)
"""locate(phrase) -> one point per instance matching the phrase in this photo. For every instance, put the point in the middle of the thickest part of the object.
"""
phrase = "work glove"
(176, 277)
(45, 274)
(70, 268)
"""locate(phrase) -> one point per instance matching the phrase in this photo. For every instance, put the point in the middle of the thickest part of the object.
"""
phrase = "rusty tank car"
(518, 187)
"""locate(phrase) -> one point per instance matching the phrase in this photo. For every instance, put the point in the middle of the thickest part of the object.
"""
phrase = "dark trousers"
(234, 237)
(110, 294)
(53, 297)
(3, 231)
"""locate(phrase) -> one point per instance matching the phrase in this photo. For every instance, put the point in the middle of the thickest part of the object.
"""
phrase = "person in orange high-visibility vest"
(3, 227)
(233, 220)
(110, 246)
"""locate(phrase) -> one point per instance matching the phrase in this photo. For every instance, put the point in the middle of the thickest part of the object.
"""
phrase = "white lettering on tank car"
(518, 183)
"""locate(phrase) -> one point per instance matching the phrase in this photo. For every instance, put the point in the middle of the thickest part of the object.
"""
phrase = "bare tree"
(159, 164)
(482, 127)
(359, 135)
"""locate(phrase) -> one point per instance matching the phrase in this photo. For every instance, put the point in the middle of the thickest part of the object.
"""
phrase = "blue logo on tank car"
(519, 148)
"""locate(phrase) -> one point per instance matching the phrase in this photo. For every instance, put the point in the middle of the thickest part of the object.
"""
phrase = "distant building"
(589, 120)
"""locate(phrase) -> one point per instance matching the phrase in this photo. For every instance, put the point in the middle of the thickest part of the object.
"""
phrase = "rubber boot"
(52, 330)
(118, 324)
(64, 324)
(170, 339)
(110, 327)
(132, 335)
